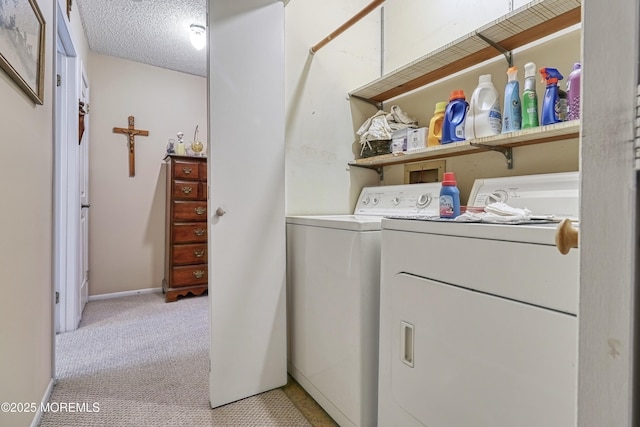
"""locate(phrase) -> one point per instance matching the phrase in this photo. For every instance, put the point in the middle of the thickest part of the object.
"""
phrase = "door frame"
(609, 299)
(66, 199)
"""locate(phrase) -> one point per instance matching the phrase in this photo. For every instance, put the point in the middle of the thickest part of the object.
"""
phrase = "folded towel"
(498, 212)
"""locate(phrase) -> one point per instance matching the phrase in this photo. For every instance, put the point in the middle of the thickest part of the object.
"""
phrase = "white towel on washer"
(498, 212)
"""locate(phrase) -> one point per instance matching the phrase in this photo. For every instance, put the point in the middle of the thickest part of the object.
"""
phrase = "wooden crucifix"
(131, 132)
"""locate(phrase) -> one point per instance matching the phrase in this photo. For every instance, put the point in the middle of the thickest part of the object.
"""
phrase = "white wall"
(414, 28)
(26, 171)
(320, 120)
(126, 228)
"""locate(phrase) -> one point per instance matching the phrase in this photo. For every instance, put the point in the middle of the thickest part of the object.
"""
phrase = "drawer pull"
(186, 190)
(198, 274)
(187, 171)
(199, 231)
(200, 210)
(199, 254)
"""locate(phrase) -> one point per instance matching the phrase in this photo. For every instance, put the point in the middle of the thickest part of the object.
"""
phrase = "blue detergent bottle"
(449, 196)
(454, 115)
(551, 108)
(512, 117)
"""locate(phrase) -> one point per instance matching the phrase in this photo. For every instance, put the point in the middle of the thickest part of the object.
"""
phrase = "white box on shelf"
(416, 138)
(399, 140)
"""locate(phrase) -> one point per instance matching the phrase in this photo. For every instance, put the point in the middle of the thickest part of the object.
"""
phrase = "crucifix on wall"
(132, 133)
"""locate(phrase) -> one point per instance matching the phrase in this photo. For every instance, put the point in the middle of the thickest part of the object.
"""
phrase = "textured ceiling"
(154, 32)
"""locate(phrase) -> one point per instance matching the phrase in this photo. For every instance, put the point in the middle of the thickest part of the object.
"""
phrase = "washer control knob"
(375, 200)
(423, 200)
(365, 201)
(396, 201)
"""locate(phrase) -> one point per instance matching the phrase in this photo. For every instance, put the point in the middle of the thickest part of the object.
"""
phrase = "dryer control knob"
(497, 196)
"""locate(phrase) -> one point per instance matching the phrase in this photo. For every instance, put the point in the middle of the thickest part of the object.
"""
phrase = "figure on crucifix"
(131, 132)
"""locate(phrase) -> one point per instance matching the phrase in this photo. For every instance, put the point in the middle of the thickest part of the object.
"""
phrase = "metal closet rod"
(358, 16)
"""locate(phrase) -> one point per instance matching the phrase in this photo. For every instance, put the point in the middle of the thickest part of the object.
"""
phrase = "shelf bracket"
(506, 151)
(378, 105)
(378, 169)
(507, 53)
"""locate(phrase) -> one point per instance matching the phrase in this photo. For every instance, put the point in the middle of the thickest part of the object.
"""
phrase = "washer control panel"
(399, 200)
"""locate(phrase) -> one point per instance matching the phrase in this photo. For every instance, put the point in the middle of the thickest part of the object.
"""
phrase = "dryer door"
(465, 358)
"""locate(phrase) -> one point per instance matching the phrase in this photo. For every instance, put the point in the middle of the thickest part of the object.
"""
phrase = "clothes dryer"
(333, 285)
(478, 322)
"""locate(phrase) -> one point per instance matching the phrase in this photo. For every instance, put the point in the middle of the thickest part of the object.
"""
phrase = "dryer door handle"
(406, 343)
(566, 236)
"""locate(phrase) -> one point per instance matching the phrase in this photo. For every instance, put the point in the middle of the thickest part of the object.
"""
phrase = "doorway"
(70, 184)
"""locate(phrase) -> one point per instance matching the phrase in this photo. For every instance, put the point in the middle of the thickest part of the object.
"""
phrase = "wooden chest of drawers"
(186, 227)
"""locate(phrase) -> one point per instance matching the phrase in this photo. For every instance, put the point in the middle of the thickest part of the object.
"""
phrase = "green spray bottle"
(529, 97)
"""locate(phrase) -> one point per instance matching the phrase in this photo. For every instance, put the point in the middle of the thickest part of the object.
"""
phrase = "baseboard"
(124, 294)
(47, 395)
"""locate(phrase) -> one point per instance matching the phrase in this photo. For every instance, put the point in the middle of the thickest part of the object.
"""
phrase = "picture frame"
(22, 46)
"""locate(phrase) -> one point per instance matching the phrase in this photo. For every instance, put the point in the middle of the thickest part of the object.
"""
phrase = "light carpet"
(144, 362)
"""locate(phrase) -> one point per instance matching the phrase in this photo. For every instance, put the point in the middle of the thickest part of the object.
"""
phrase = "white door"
(83, 170)
(59, 264)
(453, 359)
(67, 217)
(246, 179)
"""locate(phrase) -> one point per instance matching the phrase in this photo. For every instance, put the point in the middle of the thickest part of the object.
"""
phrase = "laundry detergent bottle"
(484, 117)
(529, 97)
(573, 92)
(454, 117)
(449, 196)
(435, 125)
(512, 118)
(551, 105)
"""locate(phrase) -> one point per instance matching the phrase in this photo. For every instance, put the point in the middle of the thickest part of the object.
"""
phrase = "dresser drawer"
(189, 233)
(189, 211)
(187, 170)
(190, 254)
(187, 190)
(189, 275)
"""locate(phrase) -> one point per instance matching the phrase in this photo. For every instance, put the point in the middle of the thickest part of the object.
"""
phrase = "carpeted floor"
(137, 361)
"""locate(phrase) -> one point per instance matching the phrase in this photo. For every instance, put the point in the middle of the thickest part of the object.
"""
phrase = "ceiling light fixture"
(198, 36)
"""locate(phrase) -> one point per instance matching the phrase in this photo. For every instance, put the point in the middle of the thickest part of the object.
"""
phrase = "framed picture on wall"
(22, 39)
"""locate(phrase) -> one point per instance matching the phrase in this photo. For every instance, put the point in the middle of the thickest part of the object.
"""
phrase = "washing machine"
(478, 322)
(333, 285)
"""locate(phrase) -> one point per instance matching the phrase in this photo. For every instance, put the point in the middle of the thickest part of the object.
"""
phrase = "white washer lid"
(341, 222)
(374, 203)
